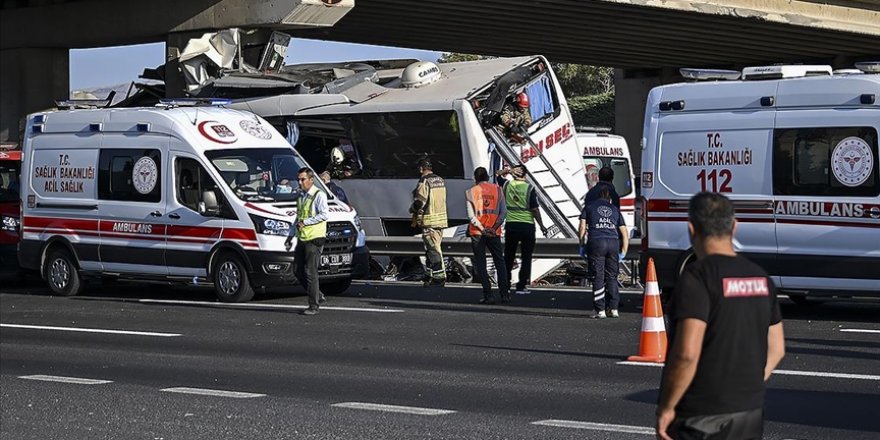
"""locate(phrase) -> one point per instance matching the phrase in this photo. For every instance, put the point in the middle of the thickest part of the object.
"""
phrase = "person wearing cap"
(486, 210)
(515, 117)
(334, 188)
(429, 214)
(519, 228)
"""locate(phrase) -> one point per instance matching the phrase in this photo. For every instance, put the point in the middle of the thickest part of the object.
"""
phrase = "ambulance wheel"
(62, 274)
(336, 287)
(231, 282)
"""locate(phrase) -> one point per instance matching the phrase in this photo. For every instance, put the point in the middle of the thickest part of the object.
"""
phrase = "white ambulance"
(603, 149)
(794, 148)
(173, 193)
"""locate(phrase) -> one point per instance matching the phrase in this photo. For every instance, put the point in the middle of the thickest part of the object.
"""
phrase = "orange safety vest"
(485, 197)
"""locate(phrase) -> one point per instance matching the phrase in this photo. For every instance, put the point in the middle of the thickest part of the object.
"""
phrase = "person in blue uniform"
(602, 222)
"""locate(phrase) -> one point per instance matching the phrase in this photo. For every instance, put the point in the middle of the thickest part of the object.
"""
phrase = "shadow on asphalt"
(615, 357)
(827, 409)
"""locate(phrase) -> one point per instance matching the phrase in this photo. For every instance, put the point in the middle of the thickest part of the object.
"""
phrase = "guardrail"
(565, 248)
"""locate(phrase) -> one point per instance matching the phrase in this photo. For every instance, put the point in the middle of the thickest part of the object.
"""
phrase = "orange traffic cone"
(652, 346)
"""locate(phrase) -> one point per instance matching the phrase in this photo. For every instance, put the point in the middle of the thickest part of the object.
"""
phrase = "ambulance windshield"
(9, 184)
(260, 174)
(622, 183)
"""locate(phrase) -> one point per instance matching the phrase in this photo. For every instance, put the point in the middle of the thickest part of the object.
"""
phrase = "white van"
(170, 193)
(603, 149)
(794, 148)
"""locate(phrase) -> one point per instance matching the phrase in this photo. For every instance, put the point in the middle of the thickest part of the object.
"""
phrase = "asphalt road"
(385, 362)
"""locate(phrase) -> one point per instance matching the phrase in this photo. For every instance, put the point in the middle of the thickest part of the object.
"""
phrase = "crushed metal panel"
(282, 105)
(318, 13)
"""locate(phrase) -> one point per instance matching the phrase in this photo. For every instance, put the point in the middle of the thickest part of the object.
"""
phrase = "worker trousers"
(307, 257)
(603, 254)
(432, 239)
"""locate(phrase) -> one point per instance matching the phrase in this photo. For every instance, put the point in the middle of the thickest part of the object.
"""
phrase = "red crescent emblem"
(217, 133)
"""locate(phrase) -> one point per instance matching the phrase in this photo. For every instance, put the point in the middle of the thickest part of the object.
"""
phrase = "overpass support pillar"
(631, 87)
(30, 80)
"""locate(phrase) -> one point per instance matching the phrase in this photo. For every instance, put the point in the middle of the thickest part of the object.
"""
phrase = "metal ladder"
(554, 197)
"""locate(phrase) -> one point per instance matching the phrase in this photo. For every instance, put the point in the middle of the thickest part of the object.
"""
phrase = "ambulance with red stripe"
(603, 149)
(176, 193)
(794, 148)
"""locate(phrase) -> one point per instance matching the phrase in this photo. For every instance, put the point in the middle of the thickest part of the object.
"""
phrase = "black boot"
(487, 298)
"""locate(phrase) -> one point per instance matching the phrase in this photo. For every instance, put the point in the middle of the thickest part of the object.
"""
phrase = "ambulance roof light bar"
(784, 71)
(591, 129)
(869, 66)
(709, 74)
(193, 102)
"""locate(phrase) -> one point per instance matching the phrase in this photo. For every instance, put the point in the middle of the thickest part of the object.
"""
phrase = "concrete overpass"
(645, 39)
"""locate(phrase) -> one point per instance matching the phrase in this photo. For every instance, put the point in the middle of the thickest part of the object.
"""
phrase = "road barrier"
(566, 248)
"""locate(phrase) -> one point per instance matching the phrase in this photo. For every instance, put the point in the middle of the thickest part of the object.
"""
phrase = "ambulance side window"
(826, 161)
(191, 180)
(133, 175)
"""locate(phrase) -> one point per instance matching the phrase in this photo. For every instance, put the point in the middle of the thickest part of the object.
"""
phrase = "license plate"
(335, 259)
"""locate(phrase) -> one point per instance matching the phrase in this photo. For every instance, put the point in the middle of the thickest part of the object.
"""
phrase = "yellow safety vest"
(306, 210)
(517, 193)
(432, 191)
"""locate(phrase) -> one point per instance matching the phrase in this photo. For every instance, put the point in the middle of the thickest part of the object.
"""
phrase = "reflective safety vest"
(307, 209)
(517, 193)
(431, 191)
(485, 197)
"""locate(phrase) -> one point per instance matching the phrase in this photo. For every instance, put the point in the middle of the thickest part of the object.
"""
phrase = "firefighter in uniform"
(522, 212)
(515, 118)
(311, 232)
(429, 214)
(486, 210)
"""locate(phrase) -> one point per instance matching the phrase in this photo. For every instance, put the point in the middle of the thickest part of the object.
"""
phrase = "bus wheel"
(231, 282)
(337, 287)
(61, 273)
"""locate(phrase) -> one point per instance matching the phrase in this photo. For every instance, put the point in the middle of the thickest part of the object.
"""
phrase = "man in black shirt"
(606, 180)
(726, 335)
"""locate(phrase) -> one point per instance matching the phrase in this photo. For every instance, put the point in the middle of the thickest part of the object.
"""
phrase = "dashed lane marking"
(781, 372)
(596, 426)
(859, 330)
(393, 408)
(76, 380)
(209, 392)
(262, 306)
(90, 330)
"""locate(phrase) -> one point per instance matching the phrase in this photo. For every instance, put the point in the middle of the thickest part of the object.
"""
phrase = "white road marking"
(216, 393)
(596, 426)
(781, 372)
(90, 330)
(262, 306)
(858, 330)
(394, 408)
(76, 380)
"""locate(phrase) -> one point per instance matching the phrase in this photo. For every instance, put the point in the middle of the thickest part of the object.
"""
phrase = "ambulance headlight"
(271, 226)
(10, 224)
(357, 222)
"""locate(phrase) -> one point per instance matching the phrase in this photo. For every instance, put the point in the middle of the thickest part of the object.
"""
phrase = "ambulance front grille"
(341, 238)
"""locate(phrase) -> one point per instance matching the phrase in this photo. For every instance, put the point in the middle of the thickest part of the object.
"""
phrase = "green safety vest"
(517, 193)
(306, 210)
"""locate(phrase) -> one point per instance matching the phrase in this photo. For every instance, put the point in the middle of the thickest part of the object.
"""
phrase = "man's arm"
(472, 216)
(322, 211)
(582, 231)
(775, 348)
(420, 197)
(624, 234)
(502, 210)
(681, 367)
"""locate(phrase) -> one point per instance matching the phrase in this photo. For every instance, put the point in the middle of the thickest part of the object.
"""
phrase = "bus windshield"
(260, 174)
(620, 166)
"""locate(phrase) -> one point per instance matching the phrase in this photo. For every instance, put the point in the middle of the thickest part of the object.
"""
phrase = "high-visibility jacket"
(308, 209)
(429, 204)
(486, 200)
(517, 193)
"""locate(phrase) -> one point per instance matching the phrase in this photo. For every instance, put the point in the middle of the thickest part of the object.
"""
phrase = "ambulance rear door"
(825, 179)
(724, 151)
